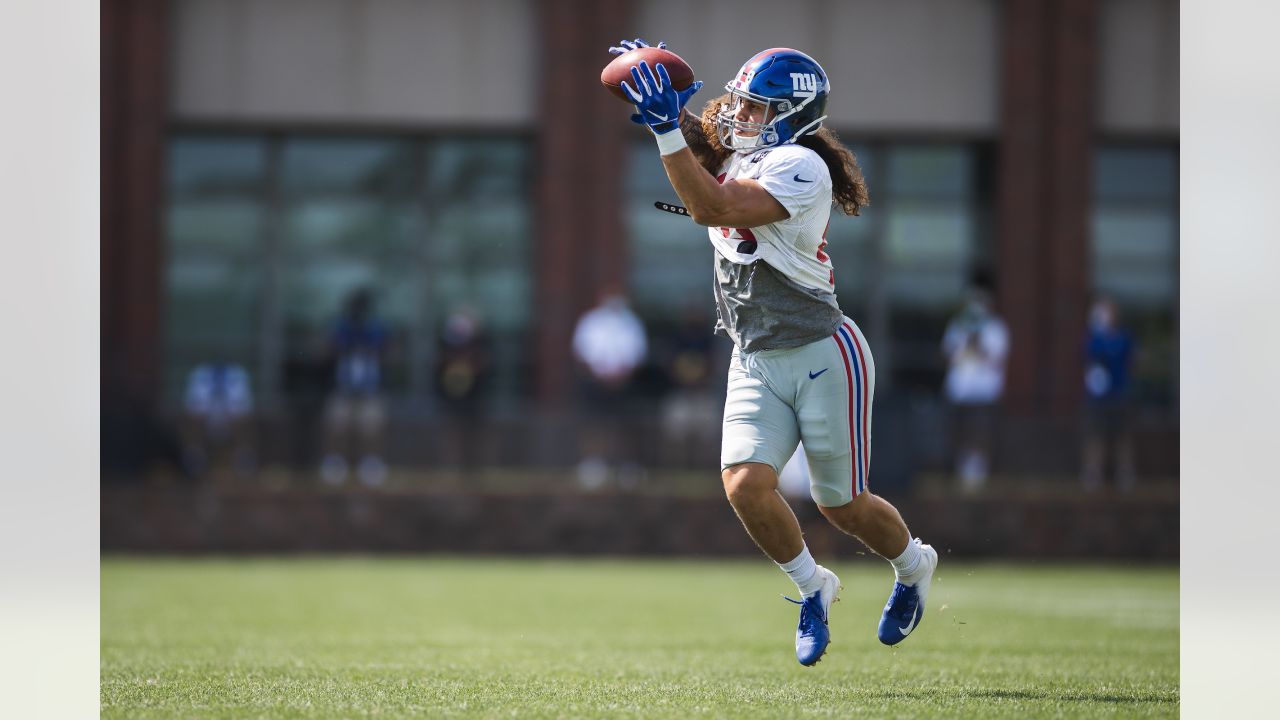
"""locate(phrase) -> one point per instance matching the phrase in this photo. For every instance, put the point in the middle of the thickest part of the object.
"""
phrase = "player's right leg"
(752, 489)
(760, 434)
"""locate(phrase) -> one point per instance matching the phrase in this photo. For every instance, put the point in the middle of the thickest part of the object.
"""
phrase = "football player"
(761, 173)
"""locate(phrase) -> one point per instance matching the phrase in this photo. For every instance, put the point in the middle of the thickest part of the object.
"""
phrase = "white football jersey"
(799, 179)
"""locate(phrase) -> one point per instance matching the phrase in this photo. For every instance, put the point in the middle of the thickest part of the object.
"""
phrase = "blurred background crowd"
(386, 244)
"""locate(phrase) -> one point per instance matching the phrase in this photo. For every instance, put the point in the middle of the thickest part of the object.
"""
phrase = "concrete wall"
(1138, 83)
(202, 520)
(920, 66)
(389, 61)
(927, 65)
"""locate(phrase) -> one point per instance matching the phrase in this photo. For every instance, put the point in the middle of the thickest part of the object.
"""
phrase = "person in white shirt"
(976, 346)
(609, 342)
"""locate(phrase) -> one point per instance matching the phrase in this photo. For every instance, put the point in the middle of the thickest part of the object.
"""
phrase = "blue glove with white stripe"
(658, 104)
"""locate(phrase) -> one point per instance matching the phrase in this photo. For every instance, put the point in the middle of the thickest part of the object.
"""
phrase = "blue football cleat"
(905, 608)
(812, 634)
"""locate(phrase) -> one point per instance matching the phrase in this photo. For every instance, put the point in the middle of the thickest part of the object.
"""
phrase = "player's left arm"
(734, 203)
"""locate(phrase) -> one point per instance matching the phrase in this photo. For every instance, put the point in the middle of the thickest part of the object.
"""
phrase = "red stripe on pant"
(866, 408)
(853, 432)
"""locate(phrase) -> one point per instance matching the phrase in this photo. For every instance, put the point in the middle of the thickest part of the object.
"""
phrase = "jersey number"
(746, 239)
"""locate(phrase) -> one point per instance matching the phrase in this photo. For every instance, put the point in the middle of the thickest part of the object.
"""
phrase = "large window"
(217, 226)
(1135, 253)
(478, 246)
(268, 236)
(671, 258)
(935, 203)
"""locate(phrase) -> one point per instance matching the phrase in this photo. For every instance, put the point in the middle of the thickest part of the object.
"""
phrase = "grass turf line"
(427, 637)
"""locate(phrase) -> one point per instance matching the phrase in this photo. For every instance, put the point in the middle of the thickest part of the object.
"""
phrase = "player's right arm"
(699, 134)
(734, 203)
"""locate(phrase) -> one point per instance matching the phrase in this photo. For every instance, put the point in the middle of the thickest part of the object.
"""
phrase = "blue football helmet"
(793, 88)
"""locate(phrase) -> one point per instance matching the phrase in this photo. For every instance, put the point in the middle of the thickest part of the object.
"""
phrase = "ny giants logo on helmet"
(804, 85)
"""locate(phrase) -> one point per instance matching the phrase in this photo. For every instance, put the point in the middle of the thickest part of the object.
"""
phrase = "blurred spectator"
(609, 342)
(691, 412)
(217, 409)
(1109, 352)
(462, 378)
(976, 344)
(356, 414)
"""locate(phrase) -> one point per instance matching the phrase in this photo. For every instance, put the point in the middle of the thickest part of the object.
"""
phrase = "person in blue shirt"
(1109, 356)
(217, 424)
(355, 416)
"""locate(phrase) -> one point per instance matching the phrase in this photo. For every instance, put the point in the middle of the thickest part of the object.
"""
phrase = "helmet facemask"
(747, 135)
(761, 134)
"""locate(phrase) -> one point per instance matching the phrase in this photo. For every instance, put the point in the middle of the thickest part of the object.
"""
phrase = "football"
(620, 69)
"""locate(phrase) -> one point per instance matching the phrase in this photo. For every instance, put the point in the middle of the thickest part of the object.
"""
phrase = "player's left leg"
(835, 428)
(876, 522)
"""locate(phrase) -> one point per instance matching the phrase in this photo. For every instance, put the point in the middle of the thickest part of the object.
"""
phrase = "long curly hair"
(848, 188)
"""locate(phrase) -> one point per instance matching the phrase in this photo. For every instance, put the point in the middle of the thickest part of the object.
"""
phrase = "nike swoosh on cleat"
(813, 374)
(797, 178)
(907, 630)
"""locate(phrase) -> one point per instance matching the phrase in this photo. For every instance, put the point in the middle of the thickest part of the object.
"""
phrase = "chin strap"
(811, 127)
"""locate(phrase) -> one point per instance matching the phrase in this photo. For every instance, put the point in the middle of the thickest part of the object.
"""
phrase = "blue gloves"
(658, 104)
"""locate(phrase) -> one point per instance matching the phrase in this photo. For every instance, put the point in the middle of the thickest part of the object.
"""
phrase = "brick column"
(1020, 196)
(1046, 147)
(580, 177)
(134, 86)
(1069, 165)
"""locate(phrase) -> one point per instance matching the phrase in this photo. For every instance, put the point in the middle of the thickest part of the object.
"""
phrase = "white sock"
(803, 571)
(909, 564)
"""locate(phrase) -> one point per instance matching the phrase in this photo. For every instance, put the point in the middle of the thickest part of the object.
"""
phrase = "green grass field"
(428, 637)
